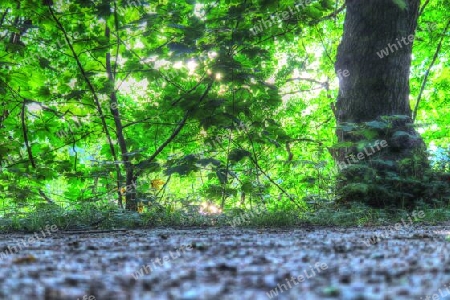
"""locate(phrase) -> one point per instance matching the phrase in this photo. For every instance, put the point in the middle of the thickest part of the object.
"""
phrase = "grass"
(95, 217)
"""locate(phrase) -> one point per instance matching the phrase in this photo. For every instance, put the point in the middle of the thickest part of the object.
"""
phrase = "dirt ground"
(412, 262)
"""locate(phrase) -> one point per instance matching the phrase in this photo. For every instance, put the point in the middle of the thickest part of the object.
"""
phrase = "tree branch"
(43, 195)
(427, 73)
(94, 94)
(422, 9)
(25, 134)
(174, 134)
(324, 84)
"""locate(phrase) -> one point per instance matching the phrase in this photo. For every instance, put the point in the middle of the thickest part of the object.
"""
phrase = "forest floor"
(410, 262)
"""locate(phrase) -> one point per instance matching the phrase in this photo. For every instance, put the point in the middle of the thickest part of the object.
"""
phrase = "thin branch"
(94, 94)
(88, 82)
(146, 122)
(427, 73)
(25, 134)
(255, 162)
(298, 91)
(314, 22)
(309, 80)
(422, 9)
(43, 195)
(171, 137)
(332, 15)
(324, 47)
(187, 92)
(3, 16)
(116, 25)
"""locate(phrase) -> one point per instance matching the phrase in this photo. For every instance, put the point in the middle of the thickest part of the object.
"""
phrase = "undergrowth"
(92, 217)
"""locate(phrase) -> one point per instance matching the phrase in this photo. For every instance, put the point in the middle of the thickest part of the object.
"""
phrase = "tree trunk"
(130, 179)
(373, 63)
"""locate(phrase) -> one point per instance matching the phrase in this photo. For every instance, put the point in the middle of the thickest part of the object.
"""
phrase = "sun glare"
(191, 65)
(33, 107)
(209, 208)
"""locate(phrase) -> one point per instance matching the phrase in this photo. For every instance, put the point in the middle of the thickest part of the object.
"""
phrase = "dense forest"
(217, 106)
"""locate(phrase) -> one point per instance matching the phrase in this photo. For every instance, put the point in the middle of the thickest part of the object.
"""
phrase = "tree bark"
(373, 65)
(375, 86)
(130, 179)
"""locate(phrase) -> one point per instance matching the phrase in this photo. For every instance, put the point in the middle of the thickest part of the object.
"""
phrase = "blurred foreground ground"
(230, 263)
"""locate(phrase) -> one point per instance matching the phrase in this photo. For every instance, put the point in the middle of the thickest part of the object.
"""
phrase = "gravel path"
(228, 263)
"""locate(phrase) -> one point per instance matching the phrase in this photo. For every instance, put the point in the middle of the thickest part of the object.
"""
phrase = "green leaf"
(377, 124)
(238, 154)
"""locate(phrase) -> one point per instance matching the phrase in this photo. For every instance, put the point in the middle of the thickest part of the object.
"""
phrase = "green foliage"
(384, 176)
(211, 109)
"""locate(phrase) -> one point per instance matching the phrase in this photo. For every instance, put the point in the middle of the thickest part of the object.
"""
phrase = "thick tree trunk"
(374, 85)
(373, 63)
